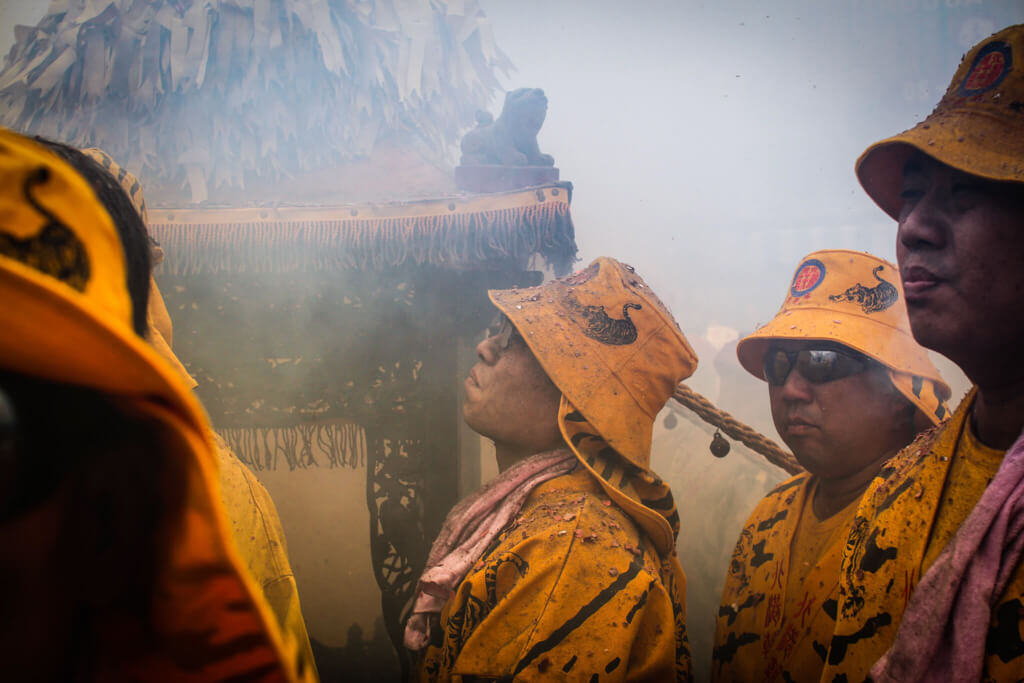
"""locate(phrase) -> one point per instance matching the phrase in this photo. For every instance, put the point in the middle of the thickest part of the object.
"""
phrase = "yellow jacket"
(259, 538)
(904, 520)
(570, 591)
(770, 628)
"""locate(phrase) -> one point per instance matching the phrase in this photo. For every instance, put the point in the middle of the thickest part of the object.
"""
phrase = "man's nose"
(796, 388)
(487, 350)
(923, 225)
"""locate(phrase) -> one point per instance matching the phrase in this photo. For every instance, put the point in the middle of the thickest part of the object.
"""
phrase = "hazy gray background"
(711, 145)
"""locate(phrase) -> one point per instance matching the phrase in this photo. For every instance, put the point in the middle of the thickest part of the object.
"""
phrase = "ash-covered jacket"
(908, 515)
(571, 591)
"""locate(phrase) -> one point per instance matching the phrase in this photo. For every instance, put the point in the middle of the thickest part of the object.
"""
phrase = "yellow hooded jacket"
(585, 584)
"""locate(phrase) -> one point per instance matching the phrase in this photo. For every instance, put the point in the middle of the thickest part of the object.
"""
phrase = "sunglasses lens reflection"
(817, 366)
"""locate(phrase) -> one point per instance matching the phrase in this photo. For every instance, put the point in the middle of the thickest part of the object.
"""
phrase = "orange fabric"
(814, 537)
(40, 204)
(641, 493)
(161, 332)
(66, 317)
(210, 622)
(157, 317)
(616, 354)
(258, 535)
(975, 127)
(855, 299)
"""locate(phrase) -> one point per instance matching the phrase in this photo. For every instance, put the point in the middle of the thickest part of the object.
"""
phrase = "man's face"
(509, 397)
(961, 247)
(837, 428)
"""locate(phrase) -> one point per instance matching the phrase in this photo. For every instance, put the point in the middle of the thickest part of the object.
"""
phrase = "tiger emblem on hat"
(871, 299)
(55, 250)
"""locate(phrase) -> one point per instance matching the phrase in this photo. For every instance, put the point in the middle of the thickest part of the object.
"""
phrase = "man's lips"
(917, 281)
(796, 425)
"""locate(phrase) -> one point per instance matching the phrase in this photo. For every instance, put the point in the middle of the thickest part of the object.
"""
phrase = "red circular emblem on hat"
(986, 72)
(808, 276)
(990, 67)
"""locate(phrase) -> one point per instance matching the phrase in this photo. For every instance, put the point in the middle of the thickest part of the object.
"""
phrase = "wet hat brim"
(51, 332)
(818, 324)
(968, 141)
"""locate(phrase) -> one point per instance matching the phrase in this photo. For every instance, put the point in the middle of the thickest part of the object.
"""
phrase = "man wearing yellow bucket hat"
(564, 567)
(118, 564)
(849, 387)
(254, 523)
(932, 584)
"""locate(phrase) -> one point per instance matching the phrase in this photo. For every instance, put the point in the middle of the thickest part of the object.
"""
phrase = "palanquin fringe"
(302, 446)
(451, 233)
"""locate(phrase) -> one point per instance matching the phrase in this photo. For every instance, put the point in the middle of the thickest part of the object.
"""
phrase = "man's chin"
(810, 458)
(474, 424)
(934, 330)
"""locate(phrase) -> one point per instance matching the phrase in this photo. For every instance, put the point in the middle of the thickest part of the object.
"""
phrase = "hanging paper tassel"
(342, 444)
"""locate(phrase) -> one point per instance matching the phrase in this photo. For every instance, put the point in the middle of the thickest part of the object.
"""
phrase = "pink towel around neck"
(942, 635)
(470, 527)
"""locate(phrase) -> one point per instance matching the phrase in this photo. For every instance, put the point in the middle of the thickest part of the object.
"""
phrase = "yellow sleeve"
(259, 538)
(282, 595)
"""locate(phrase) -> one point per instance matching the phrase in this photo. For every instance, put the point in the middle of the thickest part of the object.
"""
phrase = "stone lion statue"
(512, 139)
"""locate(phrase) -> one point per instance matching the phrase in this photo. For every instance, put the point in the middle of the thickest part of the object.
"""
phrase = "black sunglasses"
(817, 366)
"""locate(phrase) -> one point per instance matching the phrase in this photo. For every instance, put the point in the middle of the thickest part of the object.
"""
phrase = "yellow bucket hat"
(977, 127)
(609, 345)
(616, 354)
(66, 317)
(854, 299)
